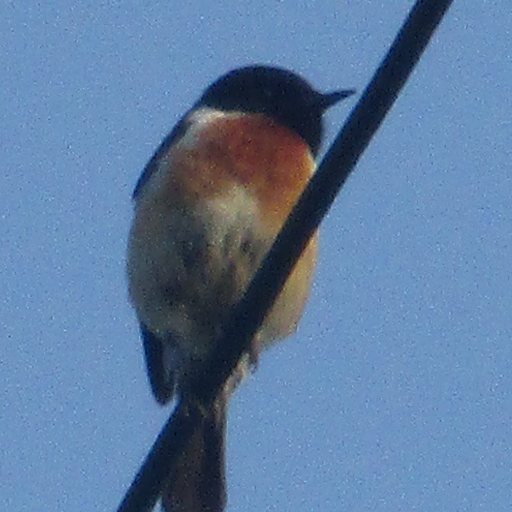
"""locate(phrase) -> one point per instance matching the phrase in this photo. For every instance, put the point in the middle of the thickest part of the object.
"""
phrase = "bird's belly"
(187, 272)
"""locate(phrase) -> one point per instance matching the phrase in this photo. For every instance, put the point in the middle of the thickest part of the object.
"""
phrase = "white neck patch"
(200, 119)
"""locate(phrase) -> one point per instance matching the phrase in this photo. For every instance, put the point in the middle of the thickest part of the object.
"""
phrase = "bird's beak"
(331, 98)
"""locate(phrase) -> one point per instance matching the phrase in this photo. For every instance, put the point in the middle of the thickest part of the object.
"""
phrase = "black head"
(278, 93)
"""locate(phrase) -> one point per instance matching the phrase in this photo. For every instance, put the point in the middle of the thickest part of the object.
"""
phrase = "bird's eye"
(268, 93)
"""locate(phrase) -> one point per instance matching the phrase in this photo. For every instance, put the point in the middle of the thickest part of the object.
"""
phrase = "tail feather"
(197, 482)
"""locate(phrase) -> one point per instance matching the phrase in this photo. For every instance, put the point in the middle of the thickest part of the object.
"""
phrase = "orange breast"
(270, 161)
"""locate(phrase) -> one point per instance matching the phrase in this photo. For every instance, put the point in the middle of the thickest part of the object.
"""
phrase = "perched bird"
(208, 206)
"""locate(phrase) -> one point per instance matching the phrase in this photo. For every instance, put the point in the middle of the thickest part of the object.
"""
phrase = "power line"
(319, 195)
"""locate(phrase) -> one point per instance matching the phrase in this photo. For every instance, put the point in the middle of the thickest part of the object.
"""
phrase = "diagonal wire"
(334, 170)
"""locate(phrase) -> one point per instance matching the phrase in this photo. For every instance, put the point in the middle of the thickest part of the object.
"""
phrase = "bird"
(207, 208)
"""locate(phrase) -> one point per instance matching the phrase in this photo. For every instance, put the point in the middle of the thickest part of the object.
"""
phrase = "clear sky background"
(396, 393)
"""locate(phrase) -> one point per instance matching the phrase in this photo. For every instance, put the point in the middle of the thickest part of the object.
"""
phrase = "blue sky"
(396, 393)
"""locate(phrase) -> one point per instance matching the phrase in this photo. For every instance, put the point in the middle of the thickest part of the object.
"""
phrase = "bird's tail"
(197, 481)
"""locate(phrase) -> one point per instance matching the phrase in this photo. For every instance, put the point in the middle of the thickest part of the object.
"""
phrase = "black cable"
(334, 170)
